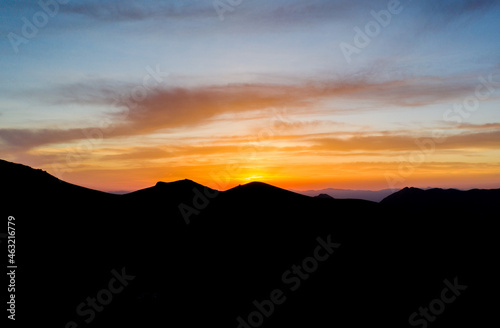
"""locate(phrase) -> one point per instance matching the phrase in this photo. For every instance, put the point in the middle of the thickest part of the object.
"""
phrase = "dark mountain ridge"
(236, 248)
(441, 198)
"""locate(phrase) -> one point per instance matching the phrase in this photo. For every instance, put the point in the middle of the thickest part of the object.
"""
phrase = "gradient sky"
(117, 95)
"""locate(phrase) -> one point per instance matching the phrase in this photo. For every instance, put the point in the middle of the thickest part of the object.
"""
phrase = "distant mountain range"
(374, 196)
(255, 255)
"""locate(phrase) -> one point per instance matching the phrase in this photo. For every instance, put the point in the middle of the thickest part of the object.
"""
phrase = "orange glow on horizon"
(356, 177)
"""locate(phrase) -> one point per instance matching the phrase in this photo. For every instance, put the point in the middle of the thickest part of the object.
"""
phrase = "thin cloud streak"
(486, 140)
(175, 108)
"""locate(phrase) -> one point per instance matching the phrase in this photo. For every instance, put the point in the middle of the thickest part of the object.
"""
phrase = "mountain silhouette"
(374, 196)
(324, 196)
(204, 257)
(444, 198)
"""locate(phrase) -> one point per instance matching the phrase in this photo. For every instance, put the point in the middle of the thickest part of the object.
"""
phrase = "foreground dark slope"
(392, 257)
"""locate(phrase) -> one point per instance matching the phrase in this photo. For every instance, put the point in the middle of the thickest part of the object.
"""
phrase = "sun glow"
(254, 177)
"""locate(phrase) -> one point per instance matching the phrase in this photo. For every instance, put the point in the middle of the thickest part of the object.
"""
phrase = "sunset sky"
(117, 95)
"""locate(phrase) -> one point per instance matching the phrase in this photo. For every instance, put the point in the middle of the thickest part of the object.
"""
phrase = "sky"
(117, 95)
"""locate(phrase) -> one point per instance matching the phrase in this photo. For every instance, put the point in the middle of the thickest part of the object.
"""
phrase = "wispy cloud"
(174, 108)
(450, 10)
(484, 140)
(113, 11)
(259, 14)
